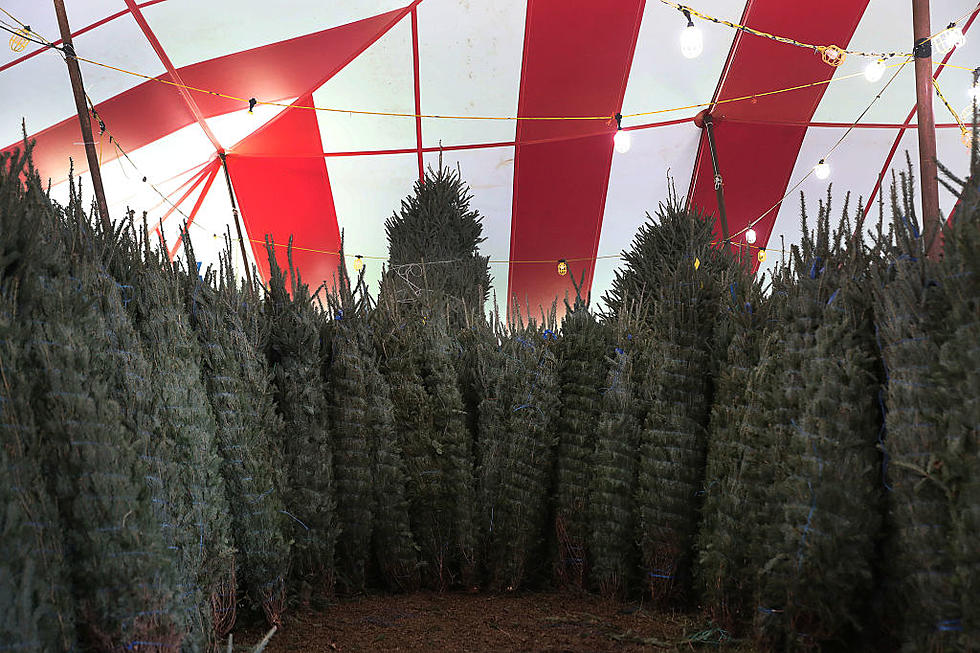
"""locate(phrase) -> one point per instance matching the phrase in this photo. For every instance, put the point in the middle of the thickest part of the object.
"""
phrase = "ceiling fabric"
(548, 190)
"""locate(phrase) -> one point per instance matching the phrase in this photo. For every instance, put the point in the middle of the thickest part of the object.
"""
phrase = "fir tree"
(227, 323)
(294, 353)
(516, 436)
(911, 313)
(720, 569)
(612, 544)
(581, 352)
(36, 612)
(433, 248)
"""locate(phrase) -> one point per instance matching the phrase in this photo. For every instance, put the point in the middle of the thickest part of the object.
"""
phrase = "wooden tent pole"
(75, 74)
(928, 171)
(238, 222)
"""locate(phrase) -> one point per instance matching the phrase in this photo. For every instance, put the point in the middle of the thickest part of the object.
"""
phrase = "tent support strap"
(238, 221)
(709, 128)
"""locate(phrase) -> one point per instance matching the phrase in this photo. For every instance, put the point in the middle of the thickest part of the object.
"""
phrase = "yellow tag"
(697, 262)
(762, 256)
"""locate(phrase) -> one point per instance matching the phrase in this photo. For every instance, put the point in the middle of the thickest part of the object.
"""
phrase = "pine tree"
(581, 351)
(818, 568)
(293, 349)
(227, 323)
(912, 313)
(516, 439)
(433, 248)
(612, 543)
(36, 612)
(720, 569)
(192, 483)
(353, 455)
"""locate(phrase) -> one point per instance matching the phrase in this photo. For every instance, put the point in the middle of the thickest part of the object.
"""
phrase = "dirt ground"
(490, 622)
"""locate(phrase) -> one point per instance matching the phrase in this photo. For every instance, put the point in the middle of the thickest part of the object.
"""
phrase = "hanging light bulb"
(821, 170)
(966, 113)
(874, 70)
(358, 264)
(562, 267)
(750, 236)
(949, 38)
(622, 140)
(692, 41)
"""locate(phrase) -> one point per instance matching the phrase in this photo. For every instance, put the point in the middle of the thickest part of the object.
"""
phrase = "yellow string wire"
(953, 113)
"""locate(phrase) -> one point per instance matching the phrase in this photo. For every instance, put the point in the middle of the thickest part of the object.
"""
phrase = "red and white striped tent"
(171, 81)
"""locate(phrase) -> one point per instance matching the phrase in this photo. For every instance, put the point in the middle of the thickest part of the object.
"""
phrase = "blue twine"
(296, 519)
(833, 297)
(950, 625)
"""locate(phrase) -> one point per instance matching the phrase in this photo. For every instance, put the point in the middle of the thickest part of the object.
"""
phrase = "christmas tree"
(293, 348)
(433, 248)
(228, 325)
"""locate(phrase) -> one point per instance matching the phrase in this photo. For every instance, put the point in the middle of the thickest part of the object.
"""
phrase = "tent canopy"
(355, 99)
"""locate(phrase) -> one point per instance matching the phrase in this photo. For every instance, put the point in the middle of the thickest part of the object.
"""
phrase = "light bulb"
(951, 37)
(821, 170)
(874, 70)
(358, 263)
(750, 236)
(692, 41)
(622, 141)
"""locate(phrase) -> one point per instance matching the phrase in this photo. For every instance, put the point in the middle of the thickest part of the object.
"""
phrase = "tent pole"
(75, 74)
(238, 222)
(928, 171)
(709, 127)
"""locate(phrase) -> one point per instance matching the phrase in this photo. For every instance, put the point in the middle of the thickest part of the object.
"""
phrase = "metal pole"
(75, 74)
(238, 222)
(719, 184)
(928, 172)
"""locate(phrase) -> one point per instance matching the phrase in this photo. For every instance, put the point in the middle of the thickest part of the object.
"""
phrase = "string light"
(20, 39)
(833, 55)
(750, 236)
(821, 170)
(562, 267)
(761, 256)
(622, 140)
(949, 38)
(358, 264)
(874, 70)
(692, 41)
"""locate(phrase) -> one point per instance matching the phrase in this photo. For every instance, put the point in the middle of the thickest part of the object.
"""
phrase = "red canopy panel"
(755, 159)
(271, 72)
(281, 183)
(577, 57)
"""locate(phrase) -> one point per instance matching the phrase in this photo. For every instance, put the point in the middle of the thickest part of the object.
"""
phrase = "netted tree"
(720, 567)
(815, 574)
(612, 543)
(183, 426)
(293, 349)
(582, 352)
(226, 319)
(433, 248)
(924, 610)
(674, 280)
(518, 385)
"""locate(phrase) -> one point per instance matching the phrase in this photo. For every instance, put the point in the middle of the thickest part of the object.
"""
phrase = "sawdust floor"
(428, 621)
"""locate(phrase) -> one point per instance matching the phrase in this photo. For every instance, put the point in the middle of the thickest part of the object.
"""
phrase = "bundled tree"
(720, 569)
(959, 374)
(676, 278)
(433, 248)
(348, 360)
(581, 351)
(516, 438)
(92, 380)
(912, 313)
(190, 479)
(227, 323)
(294, 353)
(612, 542)
(816, 572)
